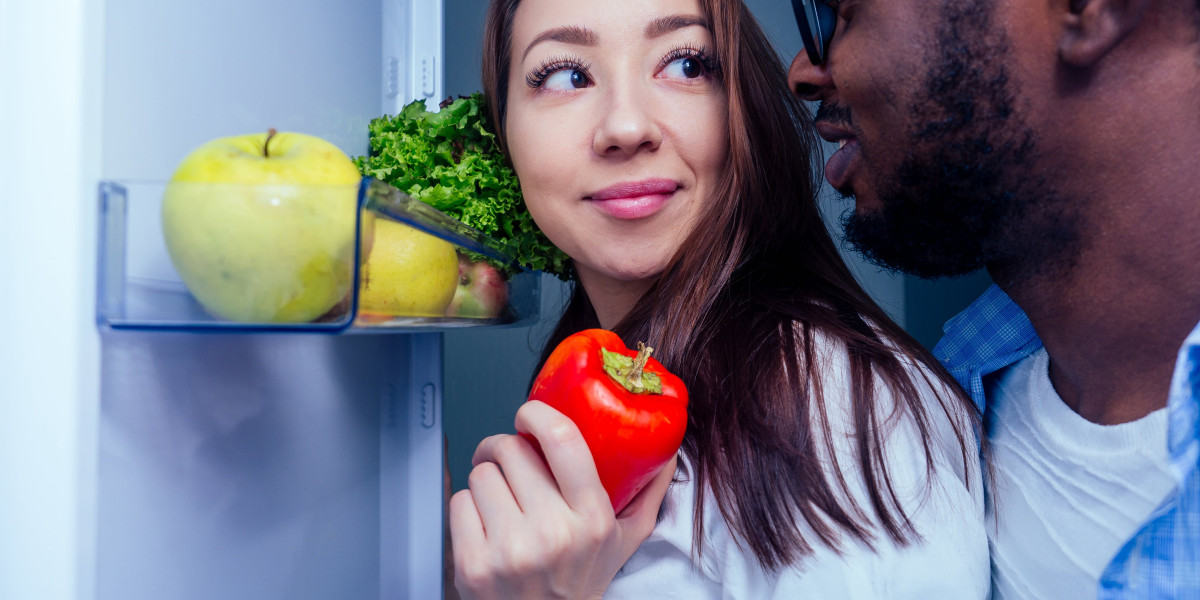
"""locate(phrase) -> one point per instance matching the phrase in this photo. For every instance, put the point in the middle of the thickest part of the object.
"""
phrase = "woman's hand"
(528, 530)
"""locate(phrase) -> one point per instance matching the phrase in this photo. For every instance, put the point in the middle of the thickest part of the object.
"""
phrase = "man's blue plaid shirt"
(1162, 560)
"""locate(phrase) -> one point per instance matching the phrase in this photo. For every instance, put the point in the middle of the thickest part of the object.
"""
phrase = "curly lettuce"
(452, 162)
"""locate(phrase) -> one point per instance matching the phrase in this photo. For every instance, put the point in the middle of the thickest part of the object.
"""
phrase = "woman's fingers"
(493, 499)
(472, 553)
(467, 535)
(567, 455)
(527, 530)
(526, 472)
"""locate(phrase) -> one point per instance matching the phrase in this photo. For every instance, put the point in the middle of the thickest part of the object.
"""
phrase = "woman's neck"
(611, 298)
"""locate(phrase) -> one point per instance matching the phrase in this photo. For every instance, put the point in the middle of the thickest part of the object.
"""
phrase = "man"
(1057, 144)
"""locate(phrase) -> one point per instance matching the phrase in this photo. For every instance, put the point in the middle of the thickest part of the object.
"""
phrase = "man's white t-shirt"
(950, 562)
(1068, 493)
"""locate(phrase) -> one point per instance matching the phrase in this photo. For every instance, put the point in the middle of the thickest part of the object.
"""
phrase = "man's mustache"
(832, 112)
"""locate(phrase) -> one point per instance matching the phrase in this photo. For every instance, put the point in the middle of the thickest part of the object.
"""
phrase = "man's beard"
(966, 194)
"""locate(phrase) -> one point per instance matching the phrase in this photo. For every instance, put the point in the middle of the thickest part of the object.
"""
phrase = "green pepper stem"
(631, 373)
(639, 364)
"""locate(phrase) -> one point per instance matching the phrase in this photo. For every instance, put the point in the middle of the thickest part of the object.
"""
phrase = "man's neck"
(1115, 321)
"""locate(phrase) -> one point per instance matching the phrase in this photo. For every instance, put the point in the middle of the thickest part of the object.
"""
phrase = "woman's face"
(616, 128)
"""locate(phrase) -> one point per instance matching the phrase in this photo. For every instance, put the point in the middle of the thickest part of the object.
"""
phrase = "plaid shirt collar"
(992, 333)
(1162, 560)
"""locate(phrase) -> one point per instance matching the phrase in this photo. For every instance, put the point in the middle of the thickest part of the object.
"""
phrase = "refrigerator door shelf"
(251, 249)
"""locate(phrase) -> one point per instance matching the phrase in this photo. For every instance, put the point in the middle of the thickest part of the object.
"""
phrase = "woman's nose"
(808, 81)
(628, 126)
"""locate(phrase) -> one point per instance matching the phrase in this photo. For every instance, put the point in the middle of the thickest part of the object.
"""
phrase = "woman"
(826, 454)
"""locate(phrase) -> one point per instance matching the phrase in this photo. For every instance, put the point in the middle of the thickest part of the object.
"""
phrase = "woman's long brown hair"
(737, 311)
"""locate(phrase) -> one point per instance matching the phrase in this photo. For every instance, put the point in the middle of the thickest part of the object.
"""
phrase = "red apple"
(482, 291)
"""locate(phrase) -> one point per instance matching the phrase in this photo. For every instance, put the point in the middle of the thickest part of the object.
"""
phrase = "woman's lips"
(840, 166)
(634, 199)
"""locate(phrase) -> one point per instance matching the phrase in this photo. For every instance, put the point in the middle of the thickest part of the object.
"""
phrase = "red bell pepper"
(631, 411)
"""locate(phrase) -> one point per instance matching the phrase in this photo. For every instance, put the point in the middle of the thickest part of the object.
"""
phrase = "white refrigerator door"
(181, 465)
(49, 346)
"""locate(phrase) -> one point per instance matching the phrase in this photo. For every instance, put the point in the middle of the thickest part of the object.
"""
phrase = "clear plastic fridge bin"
(140, 287)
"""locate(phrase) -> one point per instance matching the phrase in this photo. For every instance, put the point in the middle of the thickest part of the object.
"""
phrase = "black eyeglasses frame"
(816, 20)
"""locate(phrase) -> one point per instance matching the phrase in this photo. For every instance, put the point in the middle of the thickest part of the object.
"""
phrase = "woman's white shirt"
(949, 561)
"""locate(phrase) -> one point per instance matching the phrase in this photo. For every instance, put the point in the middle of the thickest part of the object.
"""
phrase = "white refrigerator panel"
(49, 348)
(264, 466)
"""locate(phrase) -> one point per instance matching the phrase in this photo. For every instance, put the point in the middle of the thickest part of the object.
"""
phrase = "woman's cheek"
(537, 162)
(701, 123)
(540, 203)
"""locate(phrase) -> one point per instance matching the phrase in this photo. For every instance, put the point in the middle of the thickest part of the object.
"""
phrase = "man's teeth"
(842, 144)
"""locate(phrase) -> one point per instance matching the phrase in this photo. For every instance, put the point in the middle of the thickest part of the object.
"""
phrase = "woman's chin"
(617, 274)
(637, 275)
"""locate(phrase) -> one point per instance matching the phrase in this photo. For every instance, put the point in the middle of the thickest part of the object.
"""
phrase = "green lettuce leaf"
(451, 161)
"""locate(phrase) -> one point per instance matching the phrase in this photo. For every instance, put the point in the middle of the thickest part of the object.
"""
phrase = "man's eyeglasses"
(816, 19)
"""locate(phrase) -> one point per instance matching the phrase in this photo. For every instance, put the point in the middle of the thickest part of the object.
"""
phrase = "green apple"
(261, 227)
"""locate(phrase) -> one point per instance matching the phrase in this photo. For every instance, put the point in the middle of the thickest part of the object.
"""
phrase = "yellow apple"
(261, 227)
(409, 273)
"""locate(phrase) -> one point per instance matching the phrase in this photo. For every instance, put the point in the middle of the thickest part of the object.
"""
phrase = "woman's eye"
(688, 67)
(564, 80)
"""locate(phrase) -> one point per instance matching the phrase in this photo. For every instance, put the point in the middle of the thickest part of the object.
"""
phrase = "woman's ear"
(1095, 27)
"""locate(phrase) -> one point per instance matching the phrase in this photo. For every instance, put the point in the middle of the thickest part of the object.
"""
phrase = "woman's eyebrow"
(573, 34)
(582, 36)
(664, 25)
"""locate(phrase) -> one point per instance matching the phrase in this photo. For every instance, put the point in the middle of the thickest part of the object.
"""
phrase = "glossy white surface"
(49, 347)
(237, 467)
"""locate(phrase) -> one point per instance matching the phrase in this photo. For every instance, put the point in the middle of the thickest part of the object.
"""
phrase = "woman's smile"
(632, 200)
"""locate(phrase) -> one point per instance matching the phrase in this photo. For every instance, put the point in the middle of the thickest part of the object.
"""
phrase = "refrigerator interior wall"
(272, 469)
(264, 466)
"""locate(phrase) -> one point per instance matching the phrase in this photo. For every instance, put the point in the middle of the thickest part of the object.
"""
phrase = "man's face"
(921, 97)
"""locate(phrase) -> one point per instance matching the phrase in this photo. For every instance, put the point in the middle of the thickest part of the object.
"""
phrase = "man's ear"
(1095, 27)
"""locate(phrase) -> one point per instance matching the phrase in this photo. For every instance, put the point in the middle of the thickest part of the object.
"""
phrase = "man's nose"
(808, 81)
